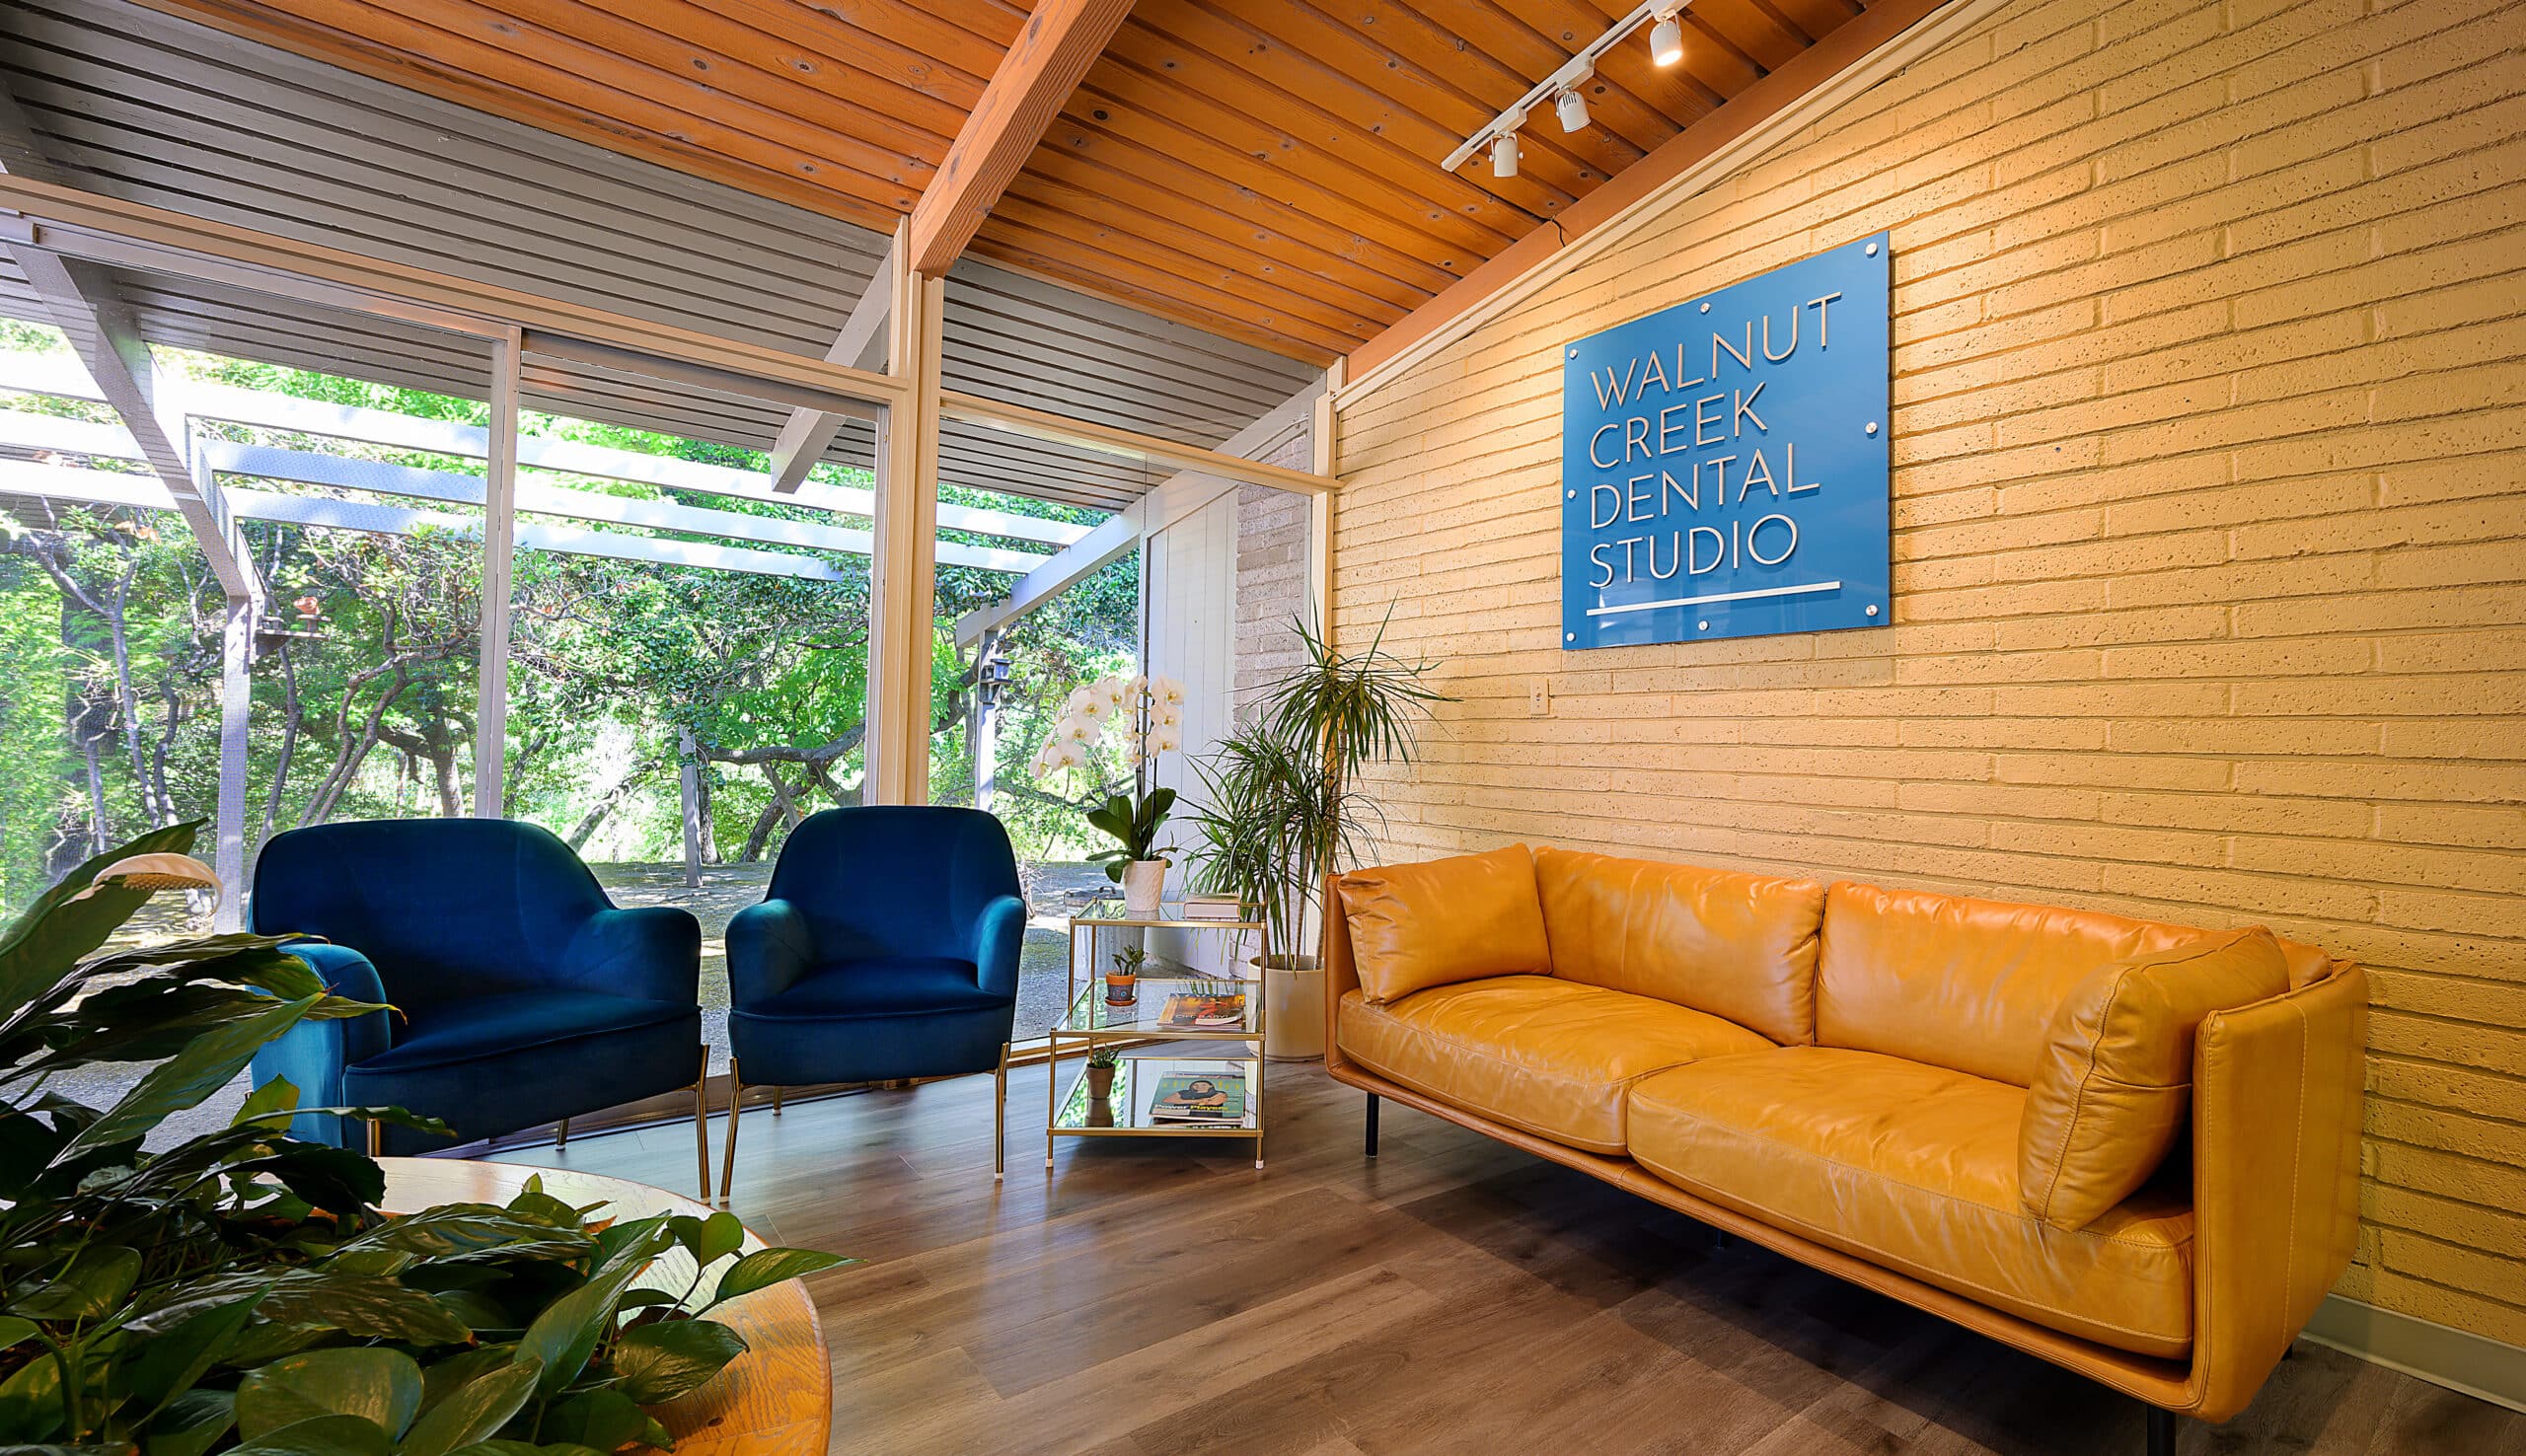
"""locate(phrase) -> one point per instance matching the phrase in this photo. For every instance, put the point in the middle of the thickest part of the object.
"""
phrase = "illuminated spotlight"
(1667, 41)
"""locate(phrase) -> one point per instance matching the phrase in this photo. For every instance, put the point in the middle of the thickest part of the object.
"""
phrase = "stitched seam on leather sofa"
(1922, 1271)
(2171, 1247)
(1620, 1086)
(1564, 1138)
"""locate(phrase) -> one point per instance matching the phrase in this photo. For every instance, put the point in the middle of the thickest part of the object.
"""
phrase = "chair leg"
(999, 1118)
(701, 1122)
(728, 1157)
(561, 1133)
(376, 1138)
(1373, 1125)
(776, 1101)
(2161, 1431)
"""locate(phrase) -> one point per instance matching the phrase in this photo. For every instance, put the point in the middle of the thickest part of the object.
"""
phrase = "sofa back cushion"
(1418, 926)
(1968, 985)
(2114, 1086)
(1737, 946)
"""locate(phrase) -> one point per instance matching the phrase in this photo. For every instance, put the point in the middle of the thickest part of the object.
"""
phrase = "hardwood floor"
(1450, 1295)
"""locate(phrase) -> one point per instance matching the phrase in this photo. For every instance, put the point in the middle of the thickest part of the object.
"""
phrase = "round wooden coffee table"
(775, 1400)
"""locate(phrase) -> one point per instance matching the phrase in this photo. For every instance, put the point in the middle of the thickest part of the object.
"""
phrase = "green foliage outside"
(364, 692)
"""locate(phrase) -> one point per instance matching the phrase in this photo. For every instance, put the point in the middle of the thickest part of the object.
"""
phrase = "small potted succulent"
(1102, 1062)
(1123, 981)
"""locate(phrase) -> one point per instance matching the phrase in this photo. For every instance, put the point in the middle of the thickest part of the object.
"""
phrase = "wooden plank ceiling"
(1266, 169)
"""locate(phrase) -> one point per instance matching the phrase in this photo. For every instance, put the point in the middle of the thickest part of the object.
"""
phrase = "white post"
(499, 548)
(236, 702)
(982, 734)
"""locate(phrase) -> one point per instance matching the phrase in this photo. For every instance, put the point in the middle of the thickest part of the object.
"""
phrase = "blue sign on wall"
(1724, 462)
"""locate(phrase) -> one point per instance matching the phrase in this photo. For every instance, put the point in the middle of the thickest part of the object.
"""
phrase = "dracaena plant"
(239, 1289)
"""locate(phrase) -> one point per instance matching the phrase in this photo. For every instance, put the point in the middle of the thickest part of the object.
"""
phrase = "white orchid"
(1167, 690)
(1059, 756)
(1073, 729)
(1165, 740)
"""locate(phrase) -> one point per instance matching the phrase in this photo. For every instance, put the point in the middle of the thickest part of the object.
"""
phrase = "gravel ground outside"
(1054, 892)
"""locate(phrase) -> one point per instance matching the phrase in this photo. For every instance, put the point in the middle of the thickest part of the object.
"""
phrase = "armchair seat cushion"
(1552, 1057)
(1914, 1167)
(456, 1032)
(882, 985)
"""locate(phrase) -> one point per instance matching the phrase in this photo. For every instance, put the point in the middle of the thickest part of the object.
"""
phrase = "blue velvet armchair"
(521, 995)
(886, 948)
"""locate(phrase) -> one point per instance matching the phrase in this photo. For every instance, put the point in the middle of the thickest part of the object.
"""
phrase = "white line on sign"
(1798, 591)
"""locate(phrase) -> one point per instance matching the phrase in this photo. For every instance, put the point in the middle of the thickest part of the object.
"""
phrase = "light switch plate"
(1538, 699)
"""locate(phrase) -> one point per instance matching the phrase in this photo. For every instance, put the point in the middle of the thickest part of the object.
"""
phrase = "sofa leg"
(701, 1122)
(1720, 1238)
(728, 1155)
(1373, 1125)
(561, 1133)
(2161, 1431)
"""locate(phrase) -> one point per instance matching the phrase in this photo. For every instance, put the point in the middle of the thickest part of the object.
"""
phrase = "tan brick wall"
(2210, 540)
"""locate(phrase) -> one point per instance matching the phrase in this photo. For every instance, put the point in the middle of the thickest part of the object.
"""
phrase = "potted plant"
(1145, 713)
(1283, 809)
(1123, 981)
(1102, 1062)
(240, 1288)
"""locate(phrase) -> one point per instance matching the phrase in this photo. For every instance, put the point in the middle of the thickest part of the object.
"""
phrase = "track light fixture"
(1667, 41)
(1572, 108)
(1562, 86)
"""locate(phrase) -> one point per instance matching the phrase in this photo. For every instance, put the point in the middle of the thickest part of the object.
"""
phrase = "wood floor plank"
(1449, 1295)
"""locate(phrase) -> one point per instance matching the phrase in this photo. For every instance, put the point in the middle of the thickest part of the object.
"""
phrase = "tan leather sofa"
(1980, 1109)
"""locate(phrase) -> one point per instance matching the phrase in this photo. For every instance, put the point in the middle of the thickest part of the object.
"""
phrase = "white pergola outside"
(57, 233)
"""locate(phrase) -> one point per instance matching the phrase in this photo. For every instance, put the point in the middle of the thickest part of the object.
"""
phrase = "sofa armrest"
(770, 950)
(653, 952)
(314, 1054)
(1341, 970)
(2276, 1107)
(999, 935)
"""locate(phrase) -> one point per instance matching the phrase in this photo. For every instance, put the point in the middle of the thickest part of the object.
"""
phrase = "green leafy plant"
(1106, 1057)
(240, 1290)
(1134, 820)
(1282, 806)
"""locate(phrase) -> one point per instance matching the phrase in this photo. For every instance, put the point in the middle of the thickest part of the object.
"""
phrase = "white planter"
(1144, 885)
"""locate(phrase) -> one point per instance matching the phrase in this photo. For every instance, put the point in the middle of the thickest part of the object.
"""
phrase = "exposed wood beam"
(904, 565)
(1062, 38)
(1089, 435)
(807, 433)
(1853, 57)
(80, 223)
(1165, 503)
(101, 331)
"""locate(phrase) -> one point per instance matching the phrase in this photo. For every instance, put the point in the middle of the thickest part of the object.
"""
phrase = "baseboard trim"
(2441, 1354)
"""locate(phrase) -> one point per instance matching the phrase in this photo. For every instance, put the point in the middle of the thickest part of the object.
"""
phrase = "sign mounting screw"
(1703, 625)
(1574, 353)
(1872, 609)
(1570, 496)
(1570, 637)
(1871, 427)
(1871, 249)
(1705, 308)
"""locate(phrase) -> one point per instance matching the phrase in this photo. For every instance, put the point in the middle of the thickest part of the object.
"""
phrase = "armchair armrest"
(2276, 1106)
(653, 952)
(314, 1054)
(999, 933)
(770, 950)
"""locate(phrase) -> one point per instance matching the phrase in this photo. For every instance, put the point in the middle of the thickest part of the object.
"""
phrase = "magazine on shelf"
(1198, 1097)
(1203, 1011)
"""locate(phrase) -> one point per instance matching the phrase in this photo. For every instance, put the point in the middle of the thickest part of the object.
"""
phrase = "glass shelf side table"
(1190, 1044)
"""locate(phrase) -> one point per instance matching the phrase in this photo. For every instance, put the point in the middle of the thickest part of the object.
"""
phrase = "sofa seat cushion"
(1914, 1167)
(1547, 1056)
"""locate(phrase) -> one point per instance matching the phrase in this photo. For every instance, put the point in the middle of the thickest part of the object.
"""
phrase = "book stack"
(1203, 1011)
(1204, 1097)
(1213, 908)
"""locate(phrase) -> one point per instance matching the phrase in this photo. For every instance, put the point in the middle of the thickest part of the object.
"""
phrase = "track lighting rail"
(1561, 88)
